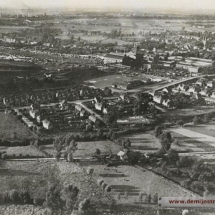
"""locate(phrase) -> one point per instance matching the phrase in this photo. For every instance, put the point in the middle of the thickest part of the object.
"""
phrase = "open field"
(71, 173)
(31, 175)
(127, 25)
(206, 129)
(188, 144)
(11, 29)
(87, 149)
(114, 40)
(188, 113)
(145, 142)
(196, 136)
(36, 177)
(10, 125)
(133, 181)
(107, 81)
(24, 151)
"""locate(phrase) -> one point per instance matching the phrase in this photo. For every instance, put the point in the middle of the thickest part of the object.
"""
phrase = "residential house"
(33, 113)
(78, 108)
(93, 118)
(47, 124)
(98, 106)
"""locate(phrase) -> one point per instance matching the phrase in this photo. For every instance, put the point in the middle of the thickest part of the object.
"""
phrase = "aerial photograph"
(107, 107)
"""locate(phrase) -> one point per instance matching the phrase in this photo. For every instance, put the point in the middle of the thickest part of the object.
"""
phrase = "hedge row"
(20, 197)
(25, 142)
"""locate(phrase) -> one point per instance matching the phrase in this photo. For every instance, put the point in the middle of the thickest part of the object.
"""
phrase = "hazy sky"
(122, 4)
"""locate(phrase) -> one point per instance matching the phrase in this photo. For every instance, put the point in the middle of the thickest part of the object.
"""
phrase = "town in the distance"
(104, 112)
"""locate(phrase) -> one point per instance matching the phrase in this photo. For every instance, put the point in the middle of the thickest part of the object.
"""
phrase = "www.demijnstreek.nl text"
(186, 201)
(191, 201)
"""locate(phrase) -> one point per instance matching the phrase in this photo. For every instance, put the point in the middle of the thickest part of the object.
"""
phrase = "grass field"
(24, 151)
(207, 129)
(190, 144)
(31, 175)
(9, 124)
(87, 149)
(11, 29)
(102, 82)
(133, 181)
(71, 173)
(145, 142)
(189, 112)
(36, 176)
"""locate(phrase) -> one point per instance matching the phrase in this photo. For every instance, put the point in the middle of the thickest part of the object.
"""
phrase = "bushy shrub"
(19, 117)
(118, 196)
(100, 182)
(140, 197)
(84, 205)
(197, 186)
(155, 198)
(4, 156)
(107, 188)
(25, 197)
(197, 120)
(90, 171)
(15, 197)
(186, 183)
(38, 201)
(180, 122)
(185, 161)
(104, 185)
(6, 196)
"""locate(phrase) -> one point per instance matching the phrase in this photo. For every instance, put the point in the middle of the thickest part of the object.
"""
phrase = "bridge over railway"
(172, 84)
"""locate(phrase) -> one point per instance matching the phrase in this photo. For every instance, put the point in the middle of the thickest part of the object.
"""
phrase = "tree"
(172, 156)
(197, 120)
(206, 118)
(155, 198)
(70, 157)
(166, 140)
(61, 198)
(113, 136)
(100, 133)
(84, 206)
(126, 195)
(14, 196)
(118, 196)
(186, 183)
(107, 91)
(98, 152)
(58, 156)
(180, 122)
(140, 198)
(158, 131)
(58, 143)
(148, 198)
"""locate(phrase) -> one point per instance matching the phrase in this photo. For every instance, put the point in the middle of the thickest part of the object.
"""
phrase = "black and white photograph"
(107, 107)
